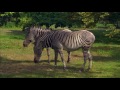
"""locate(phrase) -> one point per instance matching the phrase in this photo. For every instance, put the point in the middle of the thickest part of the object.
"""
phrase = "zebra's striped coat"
(69, 41)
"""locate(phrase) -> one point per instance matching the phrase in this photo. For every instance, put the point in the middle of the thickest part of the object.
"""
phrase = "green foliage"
(9, 25)
(101, 37)
(114, 18)
(2, 14)
(24, 19)
(52, 26)
(43, 27)
(91, 18)
(100, 25)
(111, 26)
(114, 34)
(62, 19)
(6, 17)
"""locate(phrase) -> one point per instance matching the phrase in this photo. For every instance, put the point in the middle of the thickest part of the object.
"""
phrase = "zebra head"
(33, 33)
(29, 37)
(37, 52)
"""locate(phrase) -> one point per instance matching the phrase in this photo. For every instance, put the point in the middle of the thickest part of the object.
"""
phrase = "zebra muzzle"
(36, 58)
(25, 44)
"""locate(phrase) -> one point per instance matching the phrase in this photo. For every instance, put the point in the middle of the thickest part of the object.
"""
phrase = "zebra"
(69, 41)
(32, 34)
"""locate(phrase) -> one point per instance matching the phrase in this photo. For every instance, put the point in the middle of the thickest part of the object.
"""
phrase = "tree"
(114, 18)
(6, 17)
(91, 18)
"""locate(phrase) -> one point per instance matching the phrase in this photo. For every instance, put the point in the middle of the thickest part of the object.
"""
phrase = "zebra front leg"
(69, 56)
(48, 54)
(62, 58)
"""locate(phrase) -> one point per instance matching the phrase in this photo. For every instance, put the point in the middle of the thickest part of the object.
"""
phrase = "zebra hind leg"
(69, 56)
(62, 58)
(85, 54)
(48, 54)
(90, 61)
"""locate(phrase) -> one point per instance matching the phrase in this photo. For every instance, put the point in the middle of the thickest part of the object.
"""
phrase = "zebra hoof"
(36, 61)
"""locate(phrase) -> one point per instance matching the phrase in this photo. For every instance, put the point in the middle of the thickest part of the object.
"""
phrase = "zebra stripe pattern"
(70, 40)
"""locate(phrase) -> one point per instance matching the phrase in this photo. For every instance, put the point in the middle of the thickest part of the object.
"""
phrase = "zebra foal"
(69, 41)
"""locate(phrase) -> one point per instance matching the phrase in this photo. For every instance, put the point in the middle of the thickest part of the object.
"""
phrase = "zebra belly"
(71, 48)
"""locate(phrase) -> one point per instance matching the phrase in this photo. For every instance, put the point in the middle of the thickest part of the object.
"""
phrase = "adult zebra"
(69, 41)
(32, 35)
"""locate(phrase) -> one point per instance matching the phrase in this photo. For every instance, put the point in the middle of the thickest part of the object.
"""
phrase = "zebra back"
(69, 39)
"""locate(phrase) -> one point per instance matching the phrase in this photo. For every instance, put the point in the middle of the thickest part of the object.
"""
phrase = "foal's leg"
(62, 58)
(69, 56)
(48, 54)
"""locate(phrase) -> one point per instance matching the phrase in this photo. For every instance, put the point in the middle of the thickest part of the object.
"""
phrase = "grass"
(17, 62)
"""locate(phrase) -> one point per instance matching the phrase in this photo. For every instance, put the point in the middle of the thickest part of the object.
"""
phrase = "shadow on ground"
(16, 34)
(113, 53)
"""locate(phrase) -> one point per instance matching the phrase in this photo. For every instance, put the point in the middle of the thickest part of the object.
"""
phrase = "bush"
(59, 28)
(100, 25)
(9, 25)
(43, 26)
(111, 26)
(52, 26)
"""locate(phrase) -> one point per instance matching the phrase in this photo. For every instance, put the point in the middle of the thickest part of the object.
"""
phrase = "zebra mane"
(48, 34)
(37, 28)
(67, 30)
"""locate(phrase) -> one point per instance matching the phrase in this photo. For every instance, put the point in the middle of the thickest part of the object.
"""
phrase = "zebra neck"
(41, 33)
